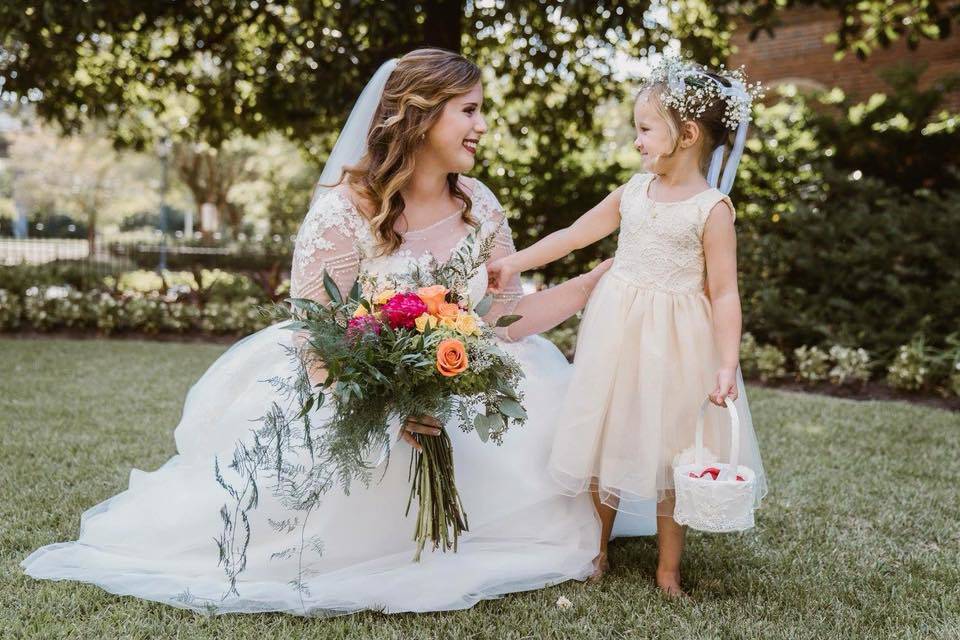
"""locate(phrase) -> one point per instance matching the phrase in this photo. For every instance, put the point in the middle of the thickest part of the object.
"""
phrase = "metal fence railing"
(124, 253)
(41, 250)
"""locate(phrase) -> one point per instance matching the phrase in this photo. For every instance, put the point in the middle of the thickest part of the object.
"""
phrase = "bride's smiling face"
(452, 142)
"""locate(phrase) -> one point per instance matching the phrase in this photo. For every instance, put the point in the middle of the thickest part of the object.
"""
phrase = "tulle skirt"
(645, 361)
(156, 540)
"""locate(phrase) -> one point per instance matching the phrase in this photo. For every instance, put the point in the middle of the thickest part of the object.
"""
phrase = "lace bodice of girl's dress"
(337, 238)
(661, 243)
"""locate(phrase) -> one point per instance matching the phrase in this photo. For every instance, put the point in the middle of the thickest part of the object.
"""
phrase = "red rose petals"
(714, 473)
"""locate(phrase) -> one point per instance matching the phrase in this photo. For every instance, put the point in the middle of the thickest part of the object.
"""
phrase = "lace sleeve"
(493, 219)
(328, 240)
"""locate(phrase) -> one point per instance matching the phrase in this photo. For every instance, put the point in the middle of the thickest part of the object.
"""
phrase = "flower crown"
(690, 90)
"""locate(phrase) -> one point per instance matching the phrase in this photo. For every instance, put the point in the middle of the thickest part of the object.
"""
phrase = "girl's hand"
(423, 425)
(726, 387)
(499, 273)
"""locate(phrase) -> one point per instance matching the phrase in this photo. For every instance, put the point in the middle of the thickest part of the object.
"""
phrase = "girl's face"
(452, 141)
(654, 140)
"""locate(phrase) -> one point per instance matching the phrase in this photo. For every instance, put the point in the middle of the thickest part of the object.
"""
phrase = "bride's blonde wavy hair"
(423, 82)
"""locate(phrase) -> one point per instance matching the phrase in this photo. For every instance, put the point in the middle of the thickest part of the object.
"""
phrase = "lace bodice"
(661, 243)
(335, 237)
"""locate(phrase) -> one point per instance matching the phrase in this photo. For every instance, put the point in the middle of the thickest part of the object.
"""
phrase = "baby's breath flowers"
(691, 91)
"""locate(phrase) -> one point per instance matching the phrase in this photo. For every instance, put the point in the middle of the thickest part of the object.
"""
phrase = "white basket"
(722, 505)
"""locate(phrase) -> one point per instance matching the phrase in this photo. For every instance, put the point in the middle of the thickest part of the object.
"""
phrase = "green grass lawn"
(859, 537)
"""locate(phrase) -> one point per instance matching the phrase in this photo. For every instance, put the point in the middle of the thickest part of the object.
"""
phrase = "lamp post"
(163, 151)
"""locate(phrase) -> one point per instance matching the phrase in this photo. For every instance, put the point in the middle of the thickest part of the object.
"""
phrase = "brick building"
(797, 54)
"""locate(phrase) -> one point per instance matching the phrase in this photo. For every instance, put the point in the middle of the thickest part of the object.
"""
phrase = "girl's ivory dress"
(646, 360)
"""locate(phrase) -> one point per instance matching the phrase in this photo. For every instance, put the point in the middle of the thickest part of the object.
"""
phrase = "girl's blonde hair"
(713, 130)
(413, 99)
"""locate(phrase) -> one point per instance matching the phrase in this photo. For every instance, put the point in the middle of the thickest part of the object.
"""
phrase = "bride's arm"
(545, 309)
(327, 242)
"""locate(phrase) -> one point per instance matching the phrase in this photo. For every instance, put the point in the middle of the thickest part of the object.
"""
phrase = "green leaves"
(482, 307)
(305, 305)
(356, 292)
(506, 321)
(331, 288)
(513, 409)
(482, 424)
(306, 407)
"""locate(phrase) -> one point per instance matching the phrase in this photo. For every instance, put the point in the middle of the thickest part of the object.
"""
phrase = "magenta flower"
(403, 309)
(358, 327)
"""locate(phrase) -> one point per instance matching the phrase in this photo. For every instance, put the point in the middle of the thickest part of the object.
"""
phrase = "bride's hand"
(590, 279)
(316, 374)
(423, 425)
(499, 273)
(598, 271)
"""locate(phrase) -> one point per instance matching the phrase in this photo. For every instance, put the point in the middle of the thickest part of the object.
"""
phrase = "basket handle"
(734, 438)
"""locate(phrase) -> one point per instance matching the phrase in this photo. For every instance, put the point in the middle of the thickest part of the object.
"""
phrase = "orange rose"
(448, 310)
(451, 357)
(433, 297)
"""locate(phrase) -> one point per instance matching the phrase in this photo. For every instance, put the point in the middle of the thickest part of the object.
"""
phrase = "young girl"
(662, 330)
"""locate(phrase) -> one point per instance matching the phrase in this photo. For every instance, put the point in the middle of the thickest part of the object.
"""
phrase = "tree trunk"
(443, 24)
(92, 235)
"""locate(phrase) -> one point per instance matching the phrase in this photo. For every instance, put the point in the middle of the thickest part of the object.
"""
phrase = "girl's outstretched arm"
(720, 253)
(594, 225)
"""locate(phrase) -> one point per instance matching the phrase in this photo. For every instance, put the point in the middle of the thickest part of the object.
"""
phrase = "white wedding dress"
(156, 540)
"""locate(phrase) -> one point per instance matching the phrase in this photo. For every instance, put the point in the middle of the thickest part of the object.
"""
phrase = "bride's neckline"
(434, 224)
(345, 195)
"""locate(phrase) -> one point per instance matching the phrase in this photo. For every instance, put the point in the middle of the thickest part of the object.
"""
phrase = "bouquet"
(406, 346)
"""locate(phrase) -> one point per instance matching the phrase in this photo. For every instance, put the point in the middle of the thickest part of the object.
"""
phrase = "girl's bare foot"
(601, 567)
(669, 583)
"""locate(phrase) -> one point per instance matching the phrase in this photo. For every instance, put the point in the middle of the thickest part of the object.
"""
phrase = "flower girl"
(662, 329)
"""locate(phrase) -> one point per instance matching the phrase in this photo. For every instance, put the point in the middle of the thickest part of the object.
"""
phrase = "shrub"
(55, 307)
(9, 310)
(911, 366)
(867, 266)
(81, 275)
(812, 364)
(234, 317)
(761, 361)
(849, 365)
(947, 371)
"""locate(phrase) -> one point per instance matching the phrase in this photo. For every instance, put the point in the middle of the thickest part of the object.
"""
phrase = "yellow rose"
(361, 311)
(467, 324)
(383, 296)
(424, 320)
(448, 322)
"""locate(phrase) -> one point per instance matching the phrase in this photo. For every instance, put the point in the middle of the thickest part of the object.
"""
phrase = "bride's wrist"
(586, 282)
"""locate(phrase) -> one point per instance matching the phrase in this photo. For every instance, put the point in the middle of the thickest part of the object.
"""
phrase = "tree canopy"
(295, 66)
(209, 71)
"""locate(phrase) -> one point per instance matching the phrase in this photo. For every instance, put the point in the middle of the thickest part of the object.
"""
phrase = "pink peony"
(403, 309)
(357, 327)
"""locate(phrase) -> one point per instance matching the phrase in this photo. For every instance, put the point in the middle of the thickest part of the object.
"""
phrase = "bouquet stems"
(441, 518)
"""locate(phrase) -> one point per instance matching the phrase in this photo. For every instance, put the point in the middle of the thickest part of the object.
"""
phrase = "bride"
(398, 200)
